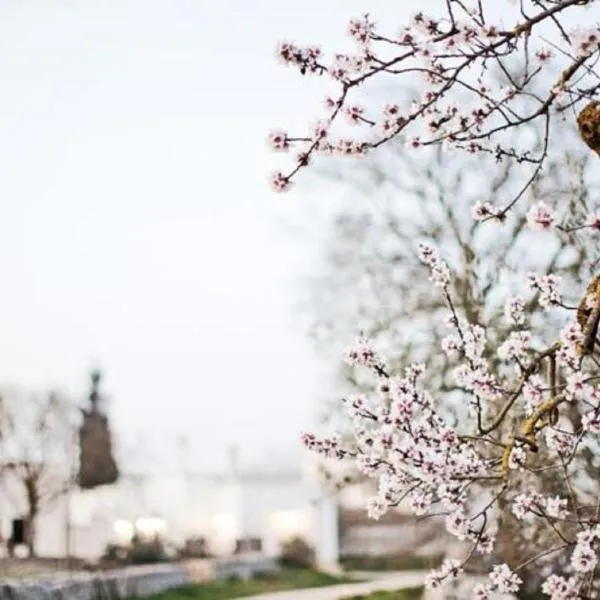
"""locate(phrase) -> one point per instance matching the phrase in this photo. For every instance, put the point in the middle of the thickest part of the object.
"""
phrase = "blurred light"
(149, 527)
(288, 524)
(226, 530)
(355, 496)
(225, 525)
(124, 531)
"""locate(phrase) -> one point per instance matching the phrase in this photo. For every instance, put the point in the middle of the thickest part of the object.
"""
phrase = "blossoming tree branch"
(534, 408)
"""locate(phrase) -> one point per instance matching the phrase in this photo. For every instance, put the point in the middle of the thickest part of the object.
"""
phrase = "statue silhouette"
(97, 465)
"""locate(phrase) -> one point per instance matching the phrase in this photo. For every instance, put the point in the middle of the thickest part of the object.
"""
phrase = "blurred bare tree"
(370, 277)
(37, 452)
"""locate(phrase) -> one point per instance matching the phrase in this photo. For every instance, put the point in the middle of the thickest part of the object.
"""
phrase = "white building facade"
(270, 506)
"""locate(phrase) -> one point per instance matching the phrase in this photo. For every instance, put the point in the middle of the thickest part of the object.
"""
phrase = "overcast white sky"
(137, 228)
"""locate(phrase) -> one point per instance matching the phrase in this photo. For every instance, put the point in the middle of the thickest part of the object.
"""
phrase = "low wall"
(245, 565)
(130, 582)
(110, 585)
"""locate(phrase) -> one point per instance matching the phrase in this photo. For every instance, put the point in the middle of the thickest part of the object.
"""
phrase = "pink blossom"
(556, 507)
(361, 29)
(544, 55)
(482, 592)
(547, 285)
(516, 346)
(540, 217)
(591, 421)
(457, 524)
(355, 113)
(278, 140)
(449, 570)
(440, 273)
(482, 210)
(584, 558)
(562, 442)
(577, 388)
(504, 580)
(534, 390)
(280, 182)
(585, 41)
(513, 310)
(376, 507)
(363, 353)
(517, 458)
(559, 588)
(526, 504)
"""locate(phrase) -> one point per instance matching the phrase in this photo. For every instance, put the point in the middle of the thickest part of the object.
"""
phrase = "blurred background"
(159, 362)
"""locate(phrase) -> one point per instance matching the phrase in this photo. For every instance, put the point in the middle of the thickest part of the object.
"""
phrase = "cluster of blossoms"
(547, 286)
(559, 588)
(440, 274)
(363, 354)
(420, 460)
(452, 51)
(584, 558)
(530, 504)
(532, 408)
(514, 311)
(534, 393)
(515, 347)
(502, 581)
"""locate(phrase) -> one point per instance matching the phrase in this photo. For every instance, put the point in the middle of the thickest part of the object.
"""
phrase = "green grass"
(407, 594)
(398, 562)
(285, 579)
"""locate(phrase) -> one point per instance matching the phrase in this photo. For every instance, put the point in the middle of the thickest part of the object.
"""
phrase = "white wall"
(270, 507)
(276, 511)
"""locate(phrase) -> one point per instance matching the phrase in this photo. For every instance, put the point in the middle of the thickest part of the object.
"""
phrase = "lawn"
(286, 579)
(399, 562)
(407, 594)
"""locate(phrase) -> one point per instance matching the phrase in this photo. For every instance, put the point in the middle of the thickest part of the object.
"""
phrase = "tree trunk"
(33, 502)
(30, 535)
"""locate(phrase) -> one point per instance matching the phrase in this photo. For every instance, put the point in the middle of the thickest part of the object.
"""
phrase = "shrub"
(296, 553)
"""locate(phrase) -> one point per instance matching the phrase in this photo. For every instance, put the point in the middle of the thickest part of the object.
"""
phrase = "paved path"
(389, 581)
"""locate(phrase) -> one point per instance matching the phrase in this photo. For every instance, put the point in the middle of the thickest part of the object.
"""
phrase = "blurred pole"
(328, 544)
(184, 455)
(68, 530)
(71, 479)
